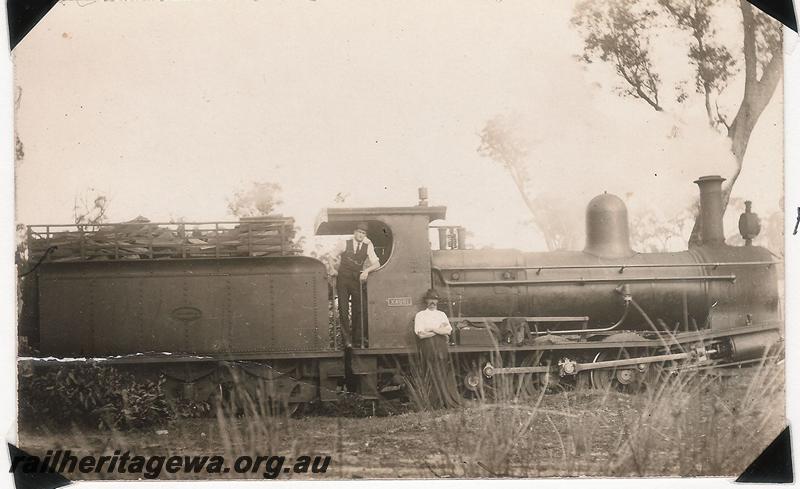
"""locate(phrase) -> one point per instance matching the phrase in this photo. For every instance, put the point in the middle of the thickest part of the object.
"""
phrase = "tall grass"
(691, 423)
(255, 403)
(706, 422)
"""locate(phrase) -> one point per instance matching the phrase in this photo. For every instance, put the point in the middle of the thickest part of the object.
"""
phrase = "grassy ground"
(691, 425)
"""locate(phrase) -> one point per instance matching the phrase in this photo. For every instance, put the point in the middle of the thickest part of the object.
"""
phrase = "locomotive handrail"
(580, 280)
(621, 266)
(532, 319)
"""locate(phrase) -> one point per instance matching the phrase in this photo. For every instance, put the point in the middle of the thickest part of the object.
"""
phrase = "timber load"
(140, 239)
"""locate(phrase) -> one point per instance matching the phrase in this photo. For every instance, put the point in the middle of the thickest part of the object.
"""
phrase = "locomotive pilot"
(357, 260)
(432, 328)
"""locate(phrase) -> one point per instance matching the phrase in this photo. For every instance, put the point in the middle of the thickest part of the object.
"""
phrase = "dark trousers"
(349, 290)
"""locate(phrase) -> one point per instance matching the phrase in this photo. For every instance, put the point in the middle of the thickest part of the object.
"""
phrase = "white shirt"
(429, 323)
(372, 258)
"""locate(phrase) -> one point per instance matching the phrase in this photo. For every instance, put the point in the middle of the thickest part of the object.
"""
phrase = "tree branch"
(721, 118)
(773, 72)
(698, 35)
(636, 86)
(749, 44)
(515, 176)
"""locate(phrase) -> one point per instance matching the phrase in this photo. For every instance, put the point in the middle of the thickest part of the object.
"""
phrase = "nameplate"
(399, 301)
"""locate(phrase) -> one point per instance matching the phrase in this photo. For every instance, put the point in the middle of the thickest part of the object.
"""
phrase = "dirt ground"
(703, 427)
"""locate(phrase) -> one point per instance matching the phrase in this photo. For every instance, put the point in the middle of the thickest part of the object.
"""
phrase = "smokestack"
(711, 210)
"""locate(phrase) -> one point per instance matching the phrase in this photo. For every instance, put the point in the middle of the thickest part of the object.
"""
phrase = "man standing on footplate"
(356, 262)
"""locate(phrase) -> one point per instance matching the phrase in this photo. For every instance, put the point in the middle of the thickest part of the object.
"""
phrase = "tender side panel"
(64, 314)
(276, 312)
(184, 306)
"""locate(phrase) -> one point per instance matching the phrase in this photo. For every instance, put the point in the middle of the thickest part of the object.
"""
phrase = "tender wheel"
(286, 396)
(291, 404)
(264, 390)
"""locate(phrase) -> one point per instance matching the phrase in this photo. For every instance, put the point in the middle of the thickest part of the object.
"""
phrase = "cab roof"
(342, 220)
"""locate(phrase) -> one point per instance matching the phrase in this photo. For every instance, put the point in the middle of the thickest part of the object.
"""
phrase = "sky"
(169, 108)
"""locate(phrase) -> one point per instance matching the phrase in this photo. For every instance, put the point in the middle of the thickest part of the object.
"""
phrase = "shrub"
(91, 395)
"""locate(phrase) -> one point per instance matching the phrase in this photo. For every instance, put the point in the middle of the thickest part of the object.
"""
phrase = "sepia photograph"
(320, 240)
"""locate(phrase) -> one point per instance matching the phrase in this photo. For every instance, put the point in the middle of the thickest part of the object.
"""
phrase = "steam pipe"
(593, 330)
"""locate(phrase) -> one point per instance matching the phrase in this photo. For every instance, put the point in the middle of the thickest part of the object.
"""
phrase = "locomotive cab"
(393, 293)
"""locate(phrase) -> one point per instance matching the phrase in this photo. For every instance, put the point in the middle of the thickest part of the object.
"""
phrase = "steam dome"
(607, 234)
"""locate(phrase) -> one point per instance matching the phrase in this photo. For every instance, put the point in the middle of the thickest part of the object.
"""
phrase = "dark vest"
(353, 262)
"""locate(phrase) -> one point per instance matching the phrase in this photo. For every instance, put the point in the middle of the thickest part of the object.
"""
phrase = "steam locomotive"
(206, 316)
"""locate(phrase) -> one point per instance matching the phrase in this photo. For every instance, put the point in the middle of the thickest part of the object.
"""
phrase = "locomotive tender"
(608, 315)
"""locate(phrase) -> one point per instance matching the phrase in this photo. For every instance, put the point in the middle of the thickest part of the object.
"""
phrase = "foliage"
(501, 142)
(19, 148)
(91, 395)
(619, 32)
(341, 197)
(189, 408)
(652, 234)
(90, 208)
(350, 405)
(21, 250)
(260, 199)
(772, 232)
(713, 63)
(326, 253)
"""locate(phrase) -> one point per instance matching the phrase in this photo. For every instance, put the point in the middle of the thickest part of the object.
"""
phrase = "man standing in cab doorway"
(356, 262)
